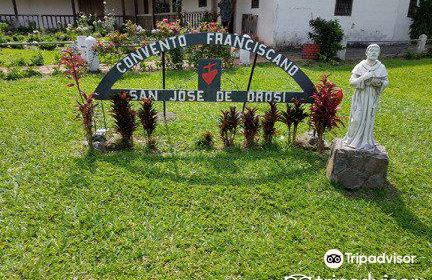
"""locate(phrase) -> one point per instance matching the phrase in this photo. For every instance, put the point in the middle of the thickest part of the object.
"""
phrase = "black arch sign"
(104, 91)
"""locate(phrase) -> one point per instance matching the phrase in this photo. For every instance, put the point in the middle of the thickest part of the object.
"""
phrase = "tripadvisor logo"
(334, 258)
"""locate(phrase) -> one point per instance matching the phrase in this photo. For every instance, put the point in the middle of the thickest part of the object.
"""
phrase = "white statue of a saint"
(369, 78)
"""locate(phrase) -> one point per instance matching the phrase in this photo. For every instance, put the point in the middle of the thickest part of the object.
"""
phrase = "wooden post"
(146, 7)
(153, 14)
(214, 6)
(178, 9)
(136, 10)
(15, 8)
(231, 28)
(74, 11)
(123, 5)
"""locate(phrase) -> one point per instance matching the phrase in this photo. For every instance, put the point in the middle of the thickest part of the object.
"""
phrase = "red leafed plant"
(124, 117)
(148, 117)
(268, 123)
(327, 99)
(298, 114)
(87, 112)
(228, 124)
(287, 118)
(75, 67)
(251, 125)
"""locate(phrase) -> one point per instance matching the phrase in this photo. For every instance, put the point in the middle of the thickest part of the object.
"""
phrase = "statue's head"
(373, 51)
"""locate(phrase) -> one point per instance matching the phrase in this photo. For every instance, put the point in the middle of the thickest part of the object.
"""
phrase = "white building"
(275, 22)
(282, 22)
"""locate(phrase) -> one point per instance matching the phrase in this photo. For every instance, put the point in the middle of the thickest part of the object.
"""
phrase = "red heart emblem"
(208, 77)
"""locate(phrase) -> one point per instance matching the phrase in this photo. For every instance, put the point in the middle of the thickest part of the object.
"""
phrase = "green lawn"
(185, 213)
(9, 57)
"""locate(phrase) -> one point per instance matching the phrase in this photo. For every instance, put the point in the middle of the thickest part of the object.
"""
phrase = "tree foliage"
(328, 34)
(422, 20)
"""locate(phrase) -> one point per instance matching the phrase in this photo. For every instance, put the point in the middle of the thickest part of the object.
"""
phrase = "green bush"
(48, 47)
(20, 62)
(328, 35)
(175, 58)
(14, 74)
(410, 55)
(30, 72)
(3, 38)
(422, 20)
(4, 26)
(195, 53)
(19, 73)
(37, 60)
(17, 38)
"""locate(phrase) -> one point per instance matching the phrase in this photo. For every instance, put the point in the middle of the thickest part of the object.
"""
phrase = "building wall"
(115, 7)
(401, 28)
(266, 18)
(6, 7)
(192, 6)
(379, 20)
(59, 7)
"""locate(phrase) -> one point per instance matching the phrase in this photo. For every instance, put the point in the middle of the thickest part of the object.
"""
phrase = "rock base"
(356, 169)
(309, 141)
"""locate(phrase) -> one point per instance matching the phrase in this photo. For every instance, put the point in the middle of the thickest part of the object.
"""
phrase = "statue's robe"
(364, 105)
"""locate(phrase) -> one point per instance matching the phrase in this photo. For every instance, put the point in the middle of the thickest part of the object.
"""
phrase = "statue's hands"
(368, 75)
(376, 82)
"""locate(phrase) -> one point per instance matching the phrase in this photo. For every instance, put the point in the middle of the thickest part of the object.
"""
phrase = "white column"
(342, 53)
(244, 54)
(421, 43)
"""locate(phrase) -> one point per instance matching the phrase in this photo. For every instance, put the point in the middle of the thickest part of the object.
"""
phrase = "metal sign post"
(250, 78)
(164, 83)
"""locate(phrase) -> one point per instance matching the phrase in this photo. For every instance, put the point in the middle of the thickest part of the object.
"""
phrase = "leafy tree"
(422, 20)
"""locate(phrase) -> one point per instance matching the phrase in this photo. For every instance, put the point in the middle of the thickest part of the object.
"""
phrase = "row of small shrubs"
(125, 122)
(124, 115)
(323, 114)
(251, 123)
(37, 60)
(323, 117)
(19, 73)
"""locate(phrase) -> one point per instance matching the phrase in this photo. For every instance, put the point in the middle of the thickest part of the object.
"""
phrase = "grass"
(185, 213)
(11, 56)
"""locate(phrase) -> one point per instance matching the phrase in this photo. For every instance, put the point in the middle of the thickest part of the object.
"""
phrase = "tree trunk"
(320, 143)
(289, 134)
(294, 137)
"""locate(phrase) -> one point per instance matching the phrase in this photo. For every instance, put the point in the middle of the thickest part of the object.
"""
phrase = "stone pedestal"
(356, 168)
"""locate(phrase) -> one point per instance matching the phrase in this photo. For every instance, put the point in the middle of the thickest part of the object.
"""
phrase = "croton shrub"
(324, 110)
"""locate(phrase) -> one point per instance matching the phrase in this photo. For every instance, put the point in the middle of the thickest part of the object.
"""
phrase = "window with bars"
(255, 4)
(202, 3)
(412, 8)
(343, 7)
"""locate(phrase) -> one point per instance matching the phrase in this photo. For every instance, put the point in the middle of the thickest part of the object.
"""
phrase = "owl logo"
(297, 277)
